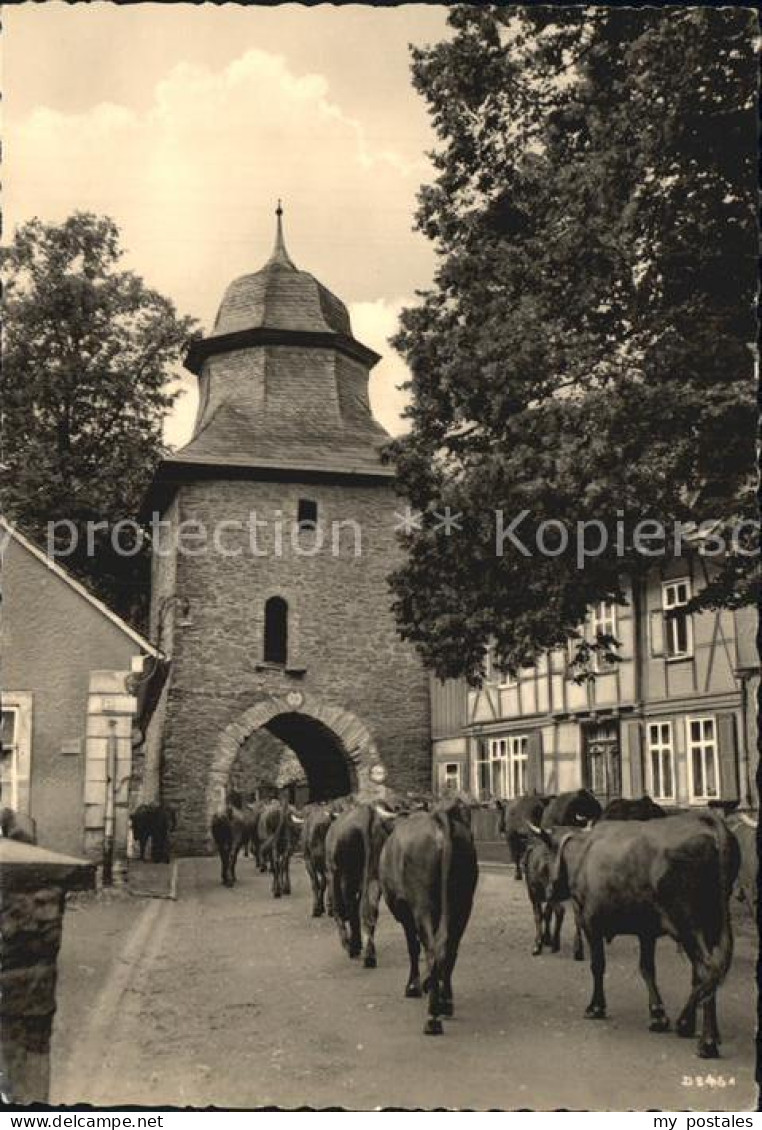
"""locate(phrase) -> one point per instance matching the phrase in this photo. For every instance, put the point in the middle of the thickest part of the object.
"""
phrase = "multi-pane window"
(449, 777)
(9, 758)
(661, 761)
(517, 764)
(677, 622)
(501, 768)
(602, 623)
(703, 767)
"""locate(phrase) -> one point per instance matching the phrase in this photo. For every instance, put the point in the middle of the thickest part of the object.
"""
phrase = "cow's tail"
(716, 960)
(274, 837)
(441, 936)
(367, 843)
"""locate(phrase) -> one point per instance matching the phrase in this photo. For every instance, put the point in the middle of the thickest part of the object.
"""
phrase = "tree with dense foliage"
(584, 352)
(87, 359)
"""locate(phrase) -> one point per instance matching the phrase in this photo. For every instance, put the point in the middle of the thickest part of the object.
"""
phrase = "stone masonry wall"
(341, 631)
(30, 937)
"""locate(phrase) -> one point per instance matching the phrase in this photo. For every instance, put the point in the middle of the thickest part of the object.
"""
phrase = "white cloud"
(192, 180)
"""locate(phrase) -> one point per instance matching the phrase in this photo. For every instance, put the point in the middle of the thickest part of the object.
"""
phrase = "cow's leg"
(431, 985)
(710, 1033)
(547, 915)
(225, 862)
(286, 873)
(514, 847)
(413, 986)
(338, 909)
(370, 901)
(659, 1018)
(275, 866)
(579, 945)
(319, 889)
(317, 908)
(558, 914)
(233, 860)
(143, 841)
(352, 903)
(451, 954)
(596, 1010)
(538, 927)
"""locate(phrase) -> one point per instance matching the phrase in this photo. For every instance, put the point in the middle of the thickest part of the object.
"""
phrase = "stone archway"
(352, 736)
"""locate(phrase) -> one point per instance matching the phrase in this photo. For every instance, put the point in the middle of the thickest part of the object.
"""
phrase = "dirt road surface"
(234, 999)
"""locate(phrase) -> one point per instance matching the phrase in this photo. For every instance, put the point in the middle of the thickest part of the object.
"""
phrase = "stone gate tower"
(269, 590)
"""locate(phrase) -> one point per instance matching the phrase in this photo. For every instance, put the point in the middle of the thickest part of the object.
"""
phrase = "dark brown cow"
(514, 817)
(153, 822)
(649, 878)
(353, 846)
(229, 829)
(570, 810)
(623, 808)
(538, 869)
(316, 824)
(279, 829)
(251, 844)
(428, 874)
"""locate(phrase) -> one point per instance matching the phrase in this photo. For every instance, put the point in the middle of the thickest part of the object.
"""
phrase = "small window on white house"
(9, 758)
(602, 623)
(661, 761)
(450, 777)
(703, 762)
(678, 636)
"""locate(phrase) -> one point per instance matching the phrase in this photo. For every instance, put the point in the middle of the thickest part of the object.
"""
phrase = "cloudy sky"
(186, 123)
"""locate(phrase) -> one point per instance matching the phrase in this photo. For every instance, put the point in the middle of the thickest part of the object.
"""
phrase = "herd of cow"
(628, 869)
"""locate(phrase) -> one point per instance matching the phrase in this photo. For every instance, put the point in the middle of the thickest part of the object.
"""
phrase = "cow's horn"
(385, 814)
(297, 819)
(533, 828)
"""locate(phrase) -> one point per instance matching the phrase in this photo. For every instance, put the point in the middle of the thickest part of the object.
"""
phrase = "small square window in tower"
(307, 514)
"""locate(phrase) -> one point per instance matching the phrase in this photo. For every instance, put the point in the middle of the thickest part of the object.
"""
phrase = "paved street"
(234, 999)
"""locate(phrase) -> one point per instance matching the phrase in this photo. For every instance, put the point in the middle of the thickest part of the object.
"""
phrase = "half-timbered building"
(674, 716)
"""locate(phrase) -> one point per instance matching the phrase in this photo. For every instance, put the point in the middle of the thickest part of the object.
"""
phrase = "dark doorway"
(328, 771)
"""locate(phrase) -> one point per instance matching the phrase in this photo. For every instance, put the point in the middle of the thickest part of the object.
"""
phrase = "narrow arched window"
(276, 630)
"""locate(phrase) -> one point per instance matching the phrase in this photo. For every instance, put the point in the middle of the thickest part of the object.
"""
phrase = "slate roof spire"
(280, 256)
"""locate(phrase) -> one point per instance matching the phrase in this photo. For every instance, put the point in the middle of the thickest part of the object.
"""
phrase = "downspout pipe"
(109, 808)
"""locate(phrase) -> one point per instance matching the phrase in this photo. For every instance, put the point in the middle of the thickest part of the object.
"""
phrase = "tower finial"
(280, 255)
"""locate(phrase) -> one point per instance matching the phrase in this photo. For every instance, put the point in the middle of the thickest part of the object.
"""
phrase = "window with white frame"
(450, 780)
(602, 623)
(9, 757)
(703, 761)
(678, 637)
(501, 769)
(507, 679)
(661, 761)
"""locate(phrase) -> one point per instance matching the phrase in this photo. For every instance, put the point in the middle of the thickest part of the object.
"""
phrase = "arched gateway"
(334, 747)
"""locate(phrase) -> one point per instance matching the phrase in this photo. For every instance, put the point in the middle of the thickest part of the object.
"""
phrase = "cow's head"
(586, 808)
(387, 816)
(455, 808)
